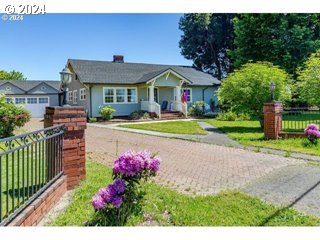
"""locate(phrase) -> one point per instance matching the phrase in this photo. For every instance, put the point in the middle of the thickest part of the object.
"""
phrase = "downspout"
(203, 90)
(90, 87)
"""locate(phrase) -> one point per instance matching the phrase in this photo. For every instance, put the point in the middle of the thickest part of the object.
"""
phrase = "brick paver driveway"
(188, 166)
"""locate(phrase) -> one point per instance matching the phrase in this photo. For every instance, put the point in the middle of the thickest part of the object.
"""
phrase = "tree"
(248, 88)
(13, 75)
(308, 84)
(285, 40)
(206, 39)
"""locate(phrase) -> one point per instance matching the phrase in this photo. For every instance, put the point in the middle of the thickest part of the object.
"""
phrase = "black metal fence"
(29, 164)
(296, 119)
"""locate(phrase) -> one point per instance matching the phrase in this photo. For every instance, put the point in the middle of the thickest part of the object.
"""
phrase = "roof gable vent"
(118, 58)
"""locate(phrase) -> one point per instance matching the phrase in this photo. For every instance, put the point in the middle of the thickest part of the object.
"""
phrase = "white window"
(83, 94)
(20, 100)
(70, 96)
(43, 100)
(119, 95)
(109, 95)
(32, 100)
(131, 95)
(8, 88)
(75, 96)
(189, 93)
(9, 100)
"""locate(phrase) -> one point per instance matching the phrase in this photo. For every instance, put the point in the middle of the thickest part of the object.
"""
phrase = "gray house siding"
(77, 85)
(209, 93)
(121, 109)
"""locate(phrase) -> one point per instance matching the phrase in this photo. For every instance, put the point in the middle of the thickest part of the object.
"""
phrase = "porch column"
(151, 98)
(178, 94)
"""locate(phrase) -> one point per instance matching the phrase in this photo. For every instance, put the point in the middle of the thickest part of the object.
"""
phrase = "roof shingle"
(106, 72)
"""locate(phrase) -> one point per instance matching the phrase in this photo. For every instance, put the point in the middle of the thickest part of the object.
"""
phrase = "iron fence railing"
(296, 119)
(29, 164)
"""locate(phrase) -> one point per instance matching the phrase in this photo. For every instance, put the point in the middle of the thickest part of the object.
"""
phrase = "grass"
(177, 127)
(169, 208)
(298, 121)
(17, 173)
(250, 133)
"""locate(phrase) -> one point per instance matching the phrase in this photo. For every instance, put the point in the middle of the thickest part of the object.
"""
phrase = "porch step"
(168, 115)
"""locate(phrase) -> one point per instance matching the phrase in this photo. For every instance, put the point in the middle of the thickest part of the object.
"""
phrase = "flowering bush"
(312, 133)
(11, 117)
(116, 202)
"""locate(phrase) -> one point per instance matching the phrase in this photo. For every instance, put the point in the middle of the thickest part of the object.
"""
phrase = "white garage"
(36, 105)
(33, 95)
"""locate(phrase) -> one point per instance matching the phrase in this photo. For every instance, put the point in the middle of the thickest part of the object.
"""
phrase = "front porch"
(163, 96)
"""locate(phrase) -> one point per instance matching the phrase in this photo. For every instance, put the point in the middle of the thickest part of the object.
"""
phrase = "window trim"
(83, 96)
(115, 95)
(190, 89)
(25, 100)
(75, 96)
(70, 96)
(37, 100)
(44, 103)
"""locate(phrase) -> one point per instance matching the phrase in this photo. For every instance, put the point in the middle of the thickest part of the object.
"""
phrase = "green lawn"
(178, 127)
(226, 209)
(297, 121)
(250, 133)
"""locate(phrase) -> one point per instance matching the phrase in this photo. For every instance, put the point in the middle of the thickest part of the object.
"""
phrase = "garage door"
(36, 105)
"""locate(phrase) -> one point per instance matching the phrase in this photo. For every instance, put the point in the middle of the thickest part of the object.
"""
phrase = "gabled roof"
(27, 85)
(106, 72)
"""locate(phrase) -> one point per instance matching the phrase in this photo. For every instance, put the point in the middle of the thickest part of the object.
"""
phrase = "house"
(129, 87)
(34, 95)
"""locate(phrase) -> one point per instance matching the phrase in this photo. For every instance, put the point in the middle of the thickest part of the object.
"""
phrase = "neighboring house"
(34, 95)
(129, 87)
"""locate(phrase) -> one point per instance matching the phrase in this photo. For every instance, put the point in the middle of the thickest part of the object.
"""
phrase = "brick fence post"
(272, 119)
(75, 121)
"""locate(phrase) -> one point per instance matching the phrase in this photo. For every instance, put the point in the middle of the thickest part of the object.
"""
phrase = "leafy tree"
(13, 75)
(285, 40)
(206, 39)
(308, 84)
(248, 88)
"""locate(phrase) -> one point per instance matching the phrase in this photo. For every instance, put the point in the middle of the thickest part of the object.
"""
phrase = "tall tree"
(206, 40)
(285, 40)
(13, 75)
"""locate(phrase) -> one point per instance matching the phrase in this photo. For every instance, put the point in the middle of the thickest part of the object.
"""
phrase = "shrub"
(116, 202)
(227, 116)
(308, 85)
(243, 117)
(92, 119)
(196, 109)
(11, 117)
(248, 88)
(136, 115)
(312, 133)
(106, 112)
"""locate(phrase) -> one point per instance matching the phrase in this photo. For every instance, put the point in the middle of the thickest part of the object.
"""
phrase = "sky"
(40, 45)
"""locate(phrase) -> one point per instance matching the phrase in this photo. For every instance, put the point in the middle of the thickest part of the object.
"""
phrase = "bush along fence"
(37, 168)
(287, 123)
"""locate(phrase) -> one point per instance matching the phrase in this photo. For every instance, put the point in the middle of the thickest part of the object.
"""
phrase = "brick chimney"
(118, 58)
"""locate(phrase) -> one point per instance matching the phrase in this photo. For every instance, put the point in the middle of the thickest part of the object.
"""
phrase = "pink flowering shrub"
(114, 203)
(312, 133)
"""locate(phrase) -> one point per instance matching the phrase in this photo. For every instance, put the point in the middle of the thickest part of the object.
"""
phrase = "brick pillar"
(75, 121)
(272, 119)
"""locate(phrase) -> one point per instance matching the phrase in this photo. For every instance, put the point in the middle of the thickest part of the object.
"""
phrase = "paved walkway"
(290, 186)
(195, 167)
(188, 166)
(216, 136)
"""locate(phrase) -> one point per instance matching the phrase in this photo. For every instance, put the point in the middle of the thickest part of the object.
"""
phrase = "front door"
(156, 94)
